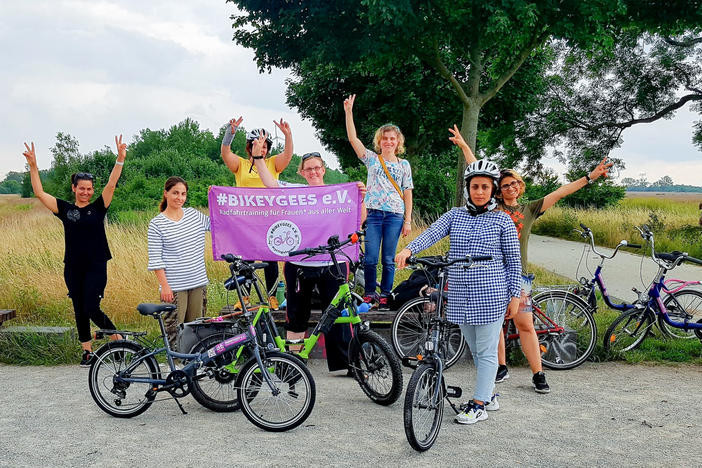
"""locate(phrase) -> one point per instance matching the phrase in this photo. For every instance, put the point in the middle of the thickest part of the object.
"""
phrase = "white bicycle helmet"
(257, 132)
(485, 168)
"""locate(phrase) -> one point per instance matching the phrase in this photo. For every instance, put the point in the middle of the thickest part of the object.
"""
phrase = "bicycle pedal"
(411, 362)
(453, 392)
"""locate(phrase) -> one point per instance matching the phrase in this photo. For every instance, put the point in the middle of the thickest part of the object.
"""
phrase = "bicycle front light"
(429, 346)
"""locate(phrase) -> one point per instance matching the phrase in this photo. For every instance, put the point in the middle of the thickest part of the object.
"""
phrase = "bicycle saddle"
(155, 309)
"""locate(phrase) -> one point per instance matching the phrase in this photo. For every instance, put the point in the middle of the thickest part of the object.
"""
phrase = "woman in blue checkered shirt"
(478, 297)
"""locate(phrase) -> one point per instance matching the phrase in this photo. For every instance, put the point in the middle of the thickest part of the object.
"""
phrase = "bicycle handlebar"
(236, 263)
(429, 261)
(332, 245)
(587, 234)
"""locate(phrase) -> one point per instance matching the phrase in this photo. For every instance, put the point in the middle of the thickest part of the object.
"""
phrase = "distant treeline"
(667, 188)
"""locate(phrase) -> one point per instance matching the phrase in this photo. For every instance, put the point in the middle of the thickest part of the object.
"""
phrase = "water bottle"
(280, 292)
(361, 309)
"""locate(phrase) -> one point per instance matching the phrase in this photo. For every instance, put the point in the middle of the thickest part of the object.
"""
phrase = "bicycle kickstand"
(179, 405)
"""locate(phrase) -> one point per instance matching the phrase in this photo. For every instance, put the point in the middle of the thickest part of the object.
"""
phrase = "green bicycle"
(373, 364)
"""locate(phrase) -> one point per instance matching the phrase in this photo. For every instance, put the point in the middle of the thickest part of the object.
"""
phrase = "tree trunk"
(469, 131)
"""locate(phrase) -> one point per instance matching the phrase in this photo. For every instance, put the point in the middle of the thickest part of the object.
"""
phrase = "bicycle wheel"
(410, 330)
(375, 367)
(571, 346)
(628, 330)
(685, 304)
(121, 399)
(214, 385)
(284, 410)
(423, 411)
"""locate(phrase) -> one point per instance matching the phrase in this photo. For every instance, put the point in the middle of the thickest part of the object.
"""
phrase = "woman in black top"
(86, 249)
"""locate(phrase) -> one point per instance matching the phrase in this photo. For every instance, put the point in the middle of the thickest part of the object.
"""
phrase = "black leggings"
(86, 285)
(299, 308)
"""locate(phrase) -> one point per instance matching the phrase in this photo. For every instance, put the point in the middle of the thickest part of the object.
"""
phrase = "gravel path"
(597, 414)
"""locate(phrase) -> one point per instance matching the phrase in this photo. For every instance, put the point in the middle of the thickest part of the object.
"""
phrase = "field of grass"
(31, 273)
(674, 222)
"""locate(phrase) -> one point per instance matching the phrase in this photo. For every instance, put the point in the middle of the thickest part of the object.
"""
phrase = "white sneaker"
(493, 404)
(472, 414)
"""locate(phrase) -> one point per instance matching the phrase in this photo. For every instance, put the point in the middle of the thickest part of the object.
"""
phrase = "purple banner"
(267, 223)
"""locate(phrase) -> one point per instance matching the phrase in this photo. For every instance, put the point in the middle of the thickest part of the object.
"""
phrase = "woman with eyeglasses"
(246, 174)
(302, 277)
(510, 188)
(86, 249)
(176, 239)
(388, 202)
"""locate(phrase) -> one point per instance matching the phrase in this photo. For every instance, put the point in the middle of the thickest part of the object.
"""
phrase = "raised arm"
(458, 140)
(565, 190)
(47, 200)
(229, 158)
(356, 144)
(407, 223)
(283, 159)
(109, 189)
(260, 162)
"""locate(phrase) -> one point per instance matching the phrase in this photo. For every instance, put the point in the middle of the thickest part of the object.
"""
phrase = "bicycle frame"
(245, 339)
(342, 299)
(551, 326)
(666, 262)
(597, 280)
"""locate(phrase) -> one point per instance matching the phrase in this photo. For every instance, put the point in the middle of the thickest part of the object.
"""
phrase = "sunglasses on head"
(307, 156)
(82, 176)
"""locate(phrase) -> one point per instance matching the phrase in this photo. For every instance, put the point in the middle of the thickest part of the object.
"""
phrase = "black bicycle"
(276, 390)
(423, 410)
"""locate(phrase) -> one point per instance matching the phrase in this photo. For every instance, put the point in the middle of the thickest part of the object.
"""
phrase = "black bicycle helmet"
(257, 132)
(481, 168)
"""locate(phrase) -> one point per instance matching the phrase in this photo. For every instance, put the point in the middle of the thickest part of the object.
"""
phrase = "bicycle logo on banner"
(283, 237)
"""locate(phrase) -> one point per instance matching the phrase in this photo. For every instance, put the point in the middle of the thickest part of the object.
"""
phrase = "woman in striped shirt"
(177, 256)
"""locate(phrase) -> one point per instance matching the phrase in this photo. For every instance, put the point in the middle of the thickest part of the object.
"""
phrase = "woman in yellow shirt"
(246, 175)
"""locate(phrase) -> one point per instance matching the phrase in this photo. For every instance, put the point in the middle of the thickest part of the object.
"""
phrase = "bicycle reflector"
(354, 238)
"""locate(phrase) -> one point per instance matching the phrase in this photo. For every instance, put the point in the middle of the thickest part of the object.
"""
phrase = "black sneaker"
(540, 385)
(383, 303)
(502, 374)
(87, 359)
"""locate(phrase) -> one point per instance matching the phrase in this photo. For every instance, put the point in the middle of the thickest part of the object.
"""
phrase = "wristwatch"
(257, 157)
(589, 180)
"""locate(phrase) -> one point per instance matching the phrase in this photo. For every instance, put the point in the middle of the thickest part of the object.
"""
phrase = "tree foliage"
(182, 150)
(475, 48)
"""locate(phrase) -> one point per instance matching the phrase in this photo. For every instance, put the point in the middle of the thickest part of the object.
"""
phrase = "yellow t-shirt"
(244, 178)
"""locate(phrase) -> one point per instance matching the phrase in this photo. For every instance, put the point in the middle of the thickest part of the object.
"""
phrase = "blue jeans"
(384, 226)
(482, 340)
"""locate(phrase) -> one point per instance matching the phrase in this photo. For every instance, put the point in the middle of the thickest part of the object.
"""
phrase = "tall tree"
(475, 46)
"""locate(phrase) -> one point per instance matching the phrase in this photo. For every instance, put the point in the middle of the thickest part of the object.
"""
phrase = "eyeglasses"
(307, 156)
(514, 184)
(315, 169)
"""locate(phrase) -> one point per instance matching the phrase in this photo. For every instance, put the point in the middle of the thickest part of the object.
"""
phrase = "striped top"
(179, 248)
(477, 296)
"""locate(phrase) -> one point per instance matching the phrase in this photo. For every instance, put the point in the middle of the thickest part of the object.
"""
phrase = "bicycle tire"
(296, 398)
(214, 385)
(575, 343)
(681, 305)
(114, 399)
(375, 367)
(628, 331)
(410, 330)
(421, 408)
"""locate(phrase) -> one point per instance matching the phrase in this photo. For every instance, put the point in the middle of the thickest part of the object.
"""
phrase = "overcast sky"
(96, 68)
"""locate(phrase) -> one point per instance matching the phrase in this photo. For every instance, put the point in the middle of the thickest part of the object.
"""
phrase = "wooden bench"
(6, 314)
